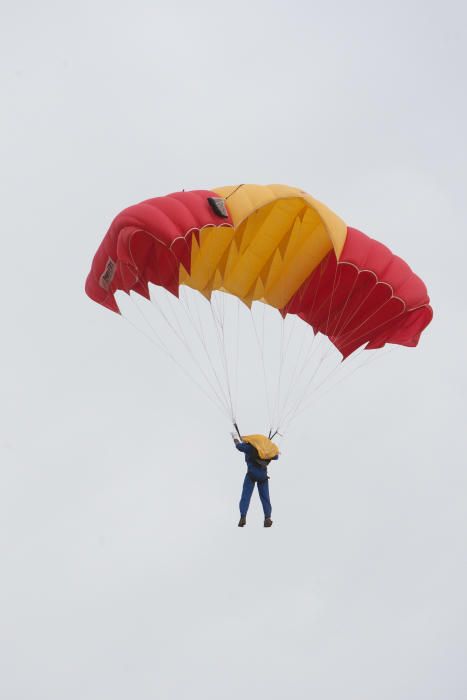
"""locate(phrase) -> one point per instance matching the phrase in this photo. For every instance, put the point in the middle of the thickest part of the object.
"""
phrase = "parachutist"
(258, 451)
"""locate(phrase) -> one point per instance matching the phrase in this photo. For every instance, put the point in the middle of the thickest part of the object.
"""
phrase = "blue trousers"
(263, 490)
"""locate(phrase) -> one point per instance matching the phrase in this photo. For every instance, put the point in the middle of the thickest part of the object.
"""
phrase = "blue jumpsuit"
(255, 474)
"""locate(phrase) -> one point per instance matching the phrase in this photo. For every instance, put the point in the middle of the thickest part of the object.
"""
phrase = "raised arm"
(241, 446)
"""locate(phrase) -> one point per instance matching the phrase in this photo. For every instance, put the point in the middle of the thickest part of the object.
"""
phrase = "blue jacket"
(250, 458)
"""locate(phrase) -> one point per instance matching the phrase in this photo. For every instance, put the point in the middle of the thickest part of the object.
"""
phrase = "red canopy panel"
(369, 297)
(147, 243)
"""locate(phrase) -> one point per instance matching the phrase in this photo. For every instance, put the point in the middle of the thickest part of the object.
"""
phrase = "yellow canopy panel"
(280, 234)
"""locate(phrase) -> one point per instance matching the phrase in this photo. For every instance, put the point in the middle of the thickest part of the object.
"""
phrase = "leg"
(263, 490)
(248, 486)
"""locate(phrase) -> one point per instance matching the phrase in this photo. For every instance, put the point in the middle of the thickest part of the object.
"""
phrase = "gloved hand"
(234, 437)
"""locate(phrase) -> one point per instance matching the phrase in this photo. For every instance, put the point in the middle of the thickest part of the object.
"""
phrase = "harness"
(263, 463)
(255, 480)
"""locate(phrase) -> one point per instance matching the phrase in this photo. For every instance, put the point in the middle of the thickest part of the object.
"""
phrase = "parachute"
(274, 246)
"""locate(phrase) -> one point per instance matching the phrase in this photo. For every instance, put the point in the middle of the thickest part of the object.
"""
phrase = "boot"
(267, 522)
(242, 521)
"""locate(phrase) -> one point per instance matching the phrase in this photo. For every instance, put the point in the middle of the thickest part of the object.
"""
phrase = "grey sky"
(122, 571)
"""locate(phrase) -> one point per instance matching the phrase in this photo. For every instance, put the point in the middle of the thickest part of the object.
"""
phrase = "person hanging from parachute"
(270, 244)
(259, 451)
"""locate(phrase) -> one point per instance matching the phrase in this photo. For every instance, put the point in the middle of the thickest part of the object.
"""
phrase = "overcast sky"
(122, 572)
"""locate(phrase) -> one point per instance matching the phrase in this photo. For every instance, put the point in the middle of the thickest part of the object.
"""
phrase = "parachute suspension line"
(309, 386)
(279, 376)
(155, 340)
(219, 325)
(301, 367)
(348, 336)
(352, 316)
(369, 359)
(350, 362)
(353, 340)
(349, 295)
(309, 396)
(237, 358)
(275, 387)
(261, 352)
(263, 358)
(317, 394)
(281, 360)
(202, 337)
(331, 348)
(289, 414)
(221, 349)
(192, 356)
(296, 406)
(199, 330)
(304, 401)
(313, 360)
(332, 298)
(221, 316)
(283, 355)
(184, 341)
(299, 363)
(359, 351)
(175, 306)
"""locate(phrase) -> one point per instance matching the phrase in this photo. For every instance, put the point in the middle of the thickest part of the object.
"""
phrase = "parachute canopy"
(275, 244)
